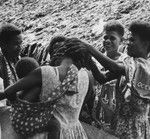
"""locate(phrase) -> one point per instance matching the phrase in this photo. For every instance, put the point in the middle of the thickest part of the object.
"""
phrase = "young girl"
(24, 67)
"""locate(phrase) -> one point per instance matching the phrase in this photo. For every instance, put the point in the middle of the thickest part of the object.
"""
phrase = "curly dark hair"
(114, 26)
(55, 43)
(25, 65)
(79, 58)
(140, 28)
(7, 32)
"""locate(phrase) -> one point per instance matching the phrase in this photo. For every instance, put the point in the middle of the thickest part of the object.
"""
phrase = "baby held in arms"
(29, 115)
(24, 67)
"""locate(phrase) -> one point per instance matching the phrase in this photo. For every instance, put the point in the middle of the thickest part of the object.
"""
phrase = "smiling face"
(136, 46)
(111, 41)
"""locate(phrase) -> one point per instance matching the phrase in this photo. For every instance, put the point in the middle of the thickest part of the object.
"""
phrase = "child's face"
(67, 61)
(111, 41)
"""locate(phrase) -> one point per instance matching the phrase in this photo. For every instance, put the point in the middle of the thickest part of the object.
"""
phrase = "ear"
(121, 40)
(146, 44)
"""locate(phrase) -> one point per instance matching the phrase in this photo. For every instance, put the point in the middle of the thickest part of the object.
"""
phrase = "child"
(29, 96)
(66, 84)
(24, 67)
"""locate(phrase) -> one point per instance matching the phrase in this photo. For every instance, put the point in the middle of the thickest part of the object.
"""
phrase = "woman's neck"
(62, 71)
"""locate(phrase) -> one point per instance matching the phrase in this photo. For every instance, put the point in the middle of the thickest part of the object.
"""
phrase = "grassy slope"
(42, 19)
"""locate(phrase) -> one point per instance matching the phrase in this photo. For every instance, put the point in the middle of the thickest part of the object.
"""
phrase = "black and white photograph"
(74, 69)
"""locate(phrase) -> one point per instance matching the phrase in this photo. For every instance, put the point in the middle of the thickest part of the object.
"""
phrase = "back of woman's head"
(25, 65)
(79, 58)
(55, 43)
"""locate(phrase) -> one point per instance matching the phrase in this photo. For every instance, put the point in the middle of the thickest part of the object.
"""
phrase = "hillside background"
(42, 19)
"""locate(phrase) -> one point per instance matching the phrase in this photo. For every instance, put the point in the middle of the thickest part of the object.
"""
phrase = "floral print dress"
(105, 100)
(68, 108)
(131, 120)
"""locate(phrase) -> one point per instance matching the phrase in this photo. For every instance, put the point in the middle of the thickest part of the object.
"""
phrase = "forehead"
(16, 38)
(134, 35)
(67, 58)
(112, 33)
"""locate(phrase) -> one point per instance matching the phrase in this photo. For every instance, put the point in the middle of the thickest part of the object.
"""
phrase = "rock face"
(42, 19)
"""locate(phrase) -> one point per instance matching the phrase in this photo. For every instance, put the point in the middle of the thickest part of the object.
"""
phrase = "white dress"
(68, 108)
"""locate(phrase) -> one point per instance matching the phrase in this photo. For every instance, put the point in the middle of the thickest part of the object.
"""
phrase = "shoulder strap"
(64, 87)
(83, 81)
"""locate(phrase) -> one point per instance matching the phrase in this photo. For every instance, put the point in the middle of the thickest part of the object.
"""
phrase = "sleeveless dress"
(69, 106)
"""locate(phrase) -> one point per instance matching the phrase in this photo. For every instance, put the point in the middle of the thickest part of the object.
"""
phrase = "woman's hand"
(105, 61)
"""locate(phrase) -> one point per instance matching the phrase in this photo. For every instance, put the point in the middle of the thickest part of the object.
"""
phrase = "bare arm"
(105, 61)
(31, 95)
(98, 75)
(32, 80)
(105, 77)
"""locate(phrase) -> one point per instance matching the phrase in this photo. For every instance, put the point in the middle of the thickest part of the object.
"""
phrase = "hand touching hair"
(55, 43)
(79, 58)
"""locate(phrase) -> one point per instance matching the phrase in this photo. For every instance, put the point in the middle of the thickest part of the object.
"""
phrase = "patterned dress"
(106, 104)
(133, 101)
(105, 101)
(8, 73)
(68, 107)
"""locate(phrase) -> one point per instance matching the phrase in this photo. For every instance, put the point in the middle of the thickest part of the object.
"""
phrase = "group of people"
(80, 92)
